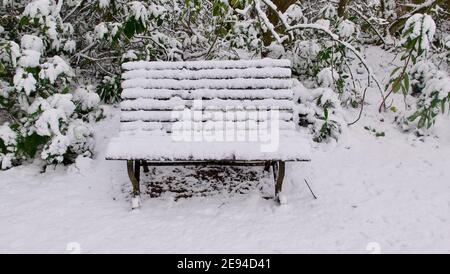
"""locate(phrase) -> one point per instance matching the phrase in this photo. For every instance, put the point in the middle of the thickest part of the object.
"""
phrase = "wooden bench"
(207, 112)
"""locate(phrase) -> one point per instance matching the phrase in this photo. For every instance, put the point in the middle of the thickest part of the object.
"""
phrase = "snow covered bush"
(8, 146)
(47, 118)
(319, 110)
(321, 57)
(418, 77)
(431, 87)
(416, 41)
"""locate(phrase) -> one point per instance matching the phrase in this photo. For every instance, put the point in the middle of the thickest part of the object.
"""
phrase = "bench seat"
(151, 147)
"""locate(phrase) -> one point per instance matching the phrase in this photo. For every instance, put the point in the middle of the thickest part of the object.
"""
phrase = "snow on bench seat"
(237, 83)
(183, 74)
(151, 147)
(174, 103)
(205, 126)
(133, 93)
(172, 116)
(196, 65)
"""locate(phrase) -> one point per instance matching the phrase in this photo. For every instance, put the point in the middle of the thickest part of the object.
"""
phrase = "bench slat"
(256, 73)
(237, 83)
(204, 126)
(195, 65)
(167, 116)
(133, 93)
(212, 104)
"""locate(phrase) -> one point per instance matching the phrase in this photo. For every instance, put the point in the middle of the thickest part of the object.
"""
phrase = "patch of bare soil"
(201, 181)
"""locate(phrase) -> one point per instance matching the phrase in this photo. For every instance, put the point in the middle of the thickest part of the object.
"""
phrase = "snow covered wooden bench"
(207, 112)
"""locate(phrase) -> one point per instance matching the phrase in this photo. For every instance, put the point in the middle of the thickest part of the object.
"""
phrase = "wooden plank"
(255, 73)
(206, 126)
(255, 94)
(195, 65)
(212, 104)
(237, 83)
(172, 116)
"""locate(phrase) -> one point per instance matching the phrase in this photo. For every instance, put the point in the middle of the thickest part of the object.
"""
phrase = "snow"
(244, 125)
(423, 26)
(31, 42)
(222, 64)
(63, 102)
(209, 73)
(160, 147)
(7, 135)
(103, 4)
(397, 199)
(327, 77)
(130, 93)
(323, 23)
(80, 137)
(70, 46)
(129, 55)
(388, 192)
(14, 52)
(58, 147)
(178, 103)
(48, 122)
(234, 115)
(447, 41)
(262, 15)
(329, 11)
(101, 30)
(87, 98)
(307, 50)
(55, 67)
(29, 58)
(293, 14)
(37, 9)
(25, 81)
(237, 83)
(8, 141)
(441, 85)
(346, 28)
(138, 11)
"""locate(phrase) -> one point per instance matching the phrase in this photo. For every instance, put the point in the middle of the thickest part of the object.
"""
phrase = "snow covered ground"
(375, 194)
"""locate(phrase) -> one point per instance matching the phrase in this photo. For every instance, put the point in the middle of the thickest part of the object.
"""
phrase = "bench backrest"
(153, 93)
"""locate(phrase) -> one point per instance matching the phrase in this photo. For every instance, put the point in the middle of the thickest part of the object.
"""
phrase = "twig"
(361, 110)
(315, 197)
(370, 24)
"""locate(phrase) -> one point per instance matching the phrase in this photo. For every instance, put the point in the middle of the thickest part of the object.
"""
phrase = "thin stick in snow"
(315, 197)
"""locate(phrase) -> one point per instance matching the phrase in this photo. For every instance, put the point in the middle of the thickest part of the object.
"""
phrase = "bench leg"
(278, 175)
(145, 166)
(267, 166)
(134, 174)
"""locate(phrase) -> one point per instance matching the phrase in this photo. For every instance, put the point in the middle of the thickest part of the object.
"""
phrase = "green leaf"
(24, 20)
(396, 87)
(394, 71)
(130, 28)
(406, 82)
(2, 146)
(29, 145)
(422, 121)
(414, 116)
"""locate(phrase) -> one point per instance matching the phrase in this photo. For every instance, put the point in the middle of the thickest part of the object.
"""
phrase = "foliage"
(47, 118)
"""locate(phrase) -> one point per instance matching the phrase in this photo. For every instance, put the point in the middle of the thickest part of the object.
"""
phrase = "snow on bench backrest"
(156, 93)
